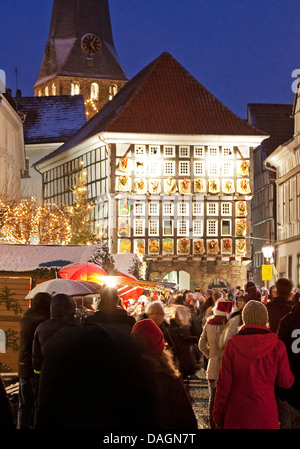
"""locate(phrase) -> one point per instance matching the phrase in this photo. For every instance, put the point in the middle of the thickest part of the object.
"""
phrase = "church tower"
(80, 56)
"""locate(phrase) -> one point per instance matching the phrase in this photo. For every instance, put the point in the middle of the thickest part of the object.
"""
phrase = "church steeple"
(80, 56)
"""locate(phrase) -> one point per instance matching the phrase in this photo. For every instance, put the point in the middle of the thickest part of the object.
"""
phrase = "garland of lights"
(26, 222)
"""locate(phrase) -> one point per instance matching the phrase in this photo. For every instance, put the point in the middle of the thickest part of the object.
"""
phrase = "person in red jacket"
(254, 361)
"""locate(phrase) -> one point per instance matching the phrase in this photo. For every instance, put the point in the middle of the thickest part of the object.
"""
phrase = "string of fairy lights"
(27, 222)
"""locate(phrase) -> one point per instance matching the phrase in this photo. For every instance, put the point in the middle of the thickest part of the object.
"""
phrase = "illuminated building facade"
(169, 169)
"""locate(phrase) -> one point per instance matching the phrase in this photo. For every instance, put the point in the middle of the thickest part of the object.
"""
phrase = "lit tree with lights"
(80, 213)
(26, 222)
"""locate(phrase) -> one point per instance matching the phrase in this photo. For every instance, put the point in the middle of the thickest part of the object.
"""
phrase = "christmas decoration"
(228, 186)
(241, 209)
(241, 247)
(243, 168)
(183, 246)
(26, 222)
(199, 186)
(226, 246)
(184, 186)
(212, 246)
(198, 247)
(80, 214)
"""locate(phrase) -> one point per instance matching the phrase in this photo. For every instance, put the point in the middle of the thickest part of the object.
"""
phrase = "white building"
(12, 151)
(286, 160)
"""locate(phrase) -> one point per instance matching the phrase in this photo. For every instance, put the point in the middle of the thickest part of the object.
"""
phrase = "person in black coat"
(62, 311)
(109, 313)
(94, 378)
(289, 333)
(281, 305)
(172, 403)
(35, 315)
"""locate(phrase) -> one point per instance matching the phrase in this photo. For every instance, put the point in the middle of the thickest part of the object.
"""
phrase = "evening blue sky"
(242, 51)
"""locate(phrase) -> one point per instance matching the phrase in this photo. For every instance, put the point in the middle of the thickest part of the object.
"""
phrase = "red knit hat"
(150, 334)
(222, 308)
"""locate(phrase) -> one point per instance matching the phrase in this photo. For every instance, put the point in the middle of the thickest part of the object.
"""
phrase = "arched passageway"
(182, 278)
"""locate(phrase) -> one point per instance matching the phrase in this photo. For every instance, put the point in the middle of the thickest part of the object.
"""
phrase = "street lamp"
(268, 250)
(267, 270)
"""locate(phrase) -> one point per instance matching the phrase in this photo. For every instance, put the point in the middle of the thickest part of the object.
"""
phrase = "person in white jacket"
(234, 322)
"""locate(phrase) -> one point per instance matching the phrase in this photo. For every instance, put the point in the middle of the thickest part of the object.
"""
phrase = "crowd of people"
(124, 365)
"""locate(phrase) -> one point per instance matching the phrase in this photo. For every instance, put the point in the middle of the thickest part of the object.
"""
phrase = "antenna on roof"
(16, 72)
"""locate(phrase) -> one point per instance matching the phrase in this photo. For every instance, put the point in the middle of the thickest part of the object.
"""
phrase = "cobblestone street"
(199, 394)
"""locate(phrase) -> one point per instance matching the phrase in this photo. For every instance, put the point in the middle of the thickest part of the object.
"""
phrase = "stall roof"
(23, 258)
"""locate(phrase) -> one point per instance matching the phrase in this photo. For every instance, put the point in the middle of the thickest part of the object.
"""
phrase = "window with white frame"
(139, 226)
(227, 152)
(169, 168)
(212, 228)
(183, 227)
(227, 168)
(153, 227)
(212, 208)
(169, 151)
(199, 151)
(168, 228)
(168, 209)
(198, 208)
(213, 168)
(199, 168)
(184, 168)
(213, 151)
(226, 209)
(198, 228)
(225, 227)
(140, 150)
(139, 208)
(153, 208)
(183, 209)
(184, 151)
(154, 150)
(154, 168)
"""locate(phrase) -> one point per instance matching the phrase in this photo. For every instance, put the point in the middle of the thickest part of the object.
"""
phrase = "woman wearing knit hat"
(209, 346)
(253, 363)
(172, 403)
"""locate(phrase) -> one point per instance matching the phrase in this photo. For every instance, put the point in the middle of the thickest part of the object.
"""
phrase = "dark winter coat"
(277, 309)
(254, 361)
(39, 312)
(62, 314)
(94, 378)
(180, 341)
(172, 403)
(289, 333)
(117, 318)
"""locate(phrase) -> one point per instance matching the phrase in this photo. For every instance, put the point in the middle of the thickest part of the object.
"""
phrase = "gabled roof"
(274, 119)
(63, 54)
(163, 98)
(51, 119)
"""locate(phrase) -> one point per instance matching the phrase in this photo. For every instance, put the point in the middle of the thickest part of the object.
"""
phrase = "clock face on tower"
(90, 44)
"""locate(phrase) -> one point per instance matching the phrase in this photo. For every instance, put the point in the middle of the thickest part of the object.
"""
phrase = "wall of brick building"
(203, 272)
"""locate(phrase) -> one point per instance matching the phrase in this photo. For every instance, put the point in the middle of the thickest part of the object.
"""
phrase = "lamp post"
(267, 274)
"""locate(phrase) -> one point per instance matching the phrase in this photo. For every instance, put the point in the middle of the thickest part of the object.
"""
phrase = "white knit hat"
(255, 312)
